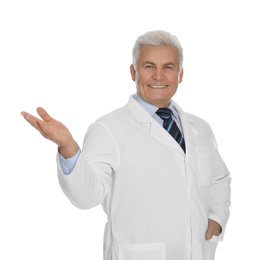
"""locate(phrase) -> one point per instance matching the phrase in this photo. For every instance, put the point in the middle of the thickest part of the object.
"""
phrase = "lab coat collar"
(158, 132)
(151, 109)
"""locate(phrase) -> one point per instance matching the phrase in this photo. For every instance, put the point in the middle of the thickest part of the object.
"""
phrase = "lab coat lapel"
(159, 133)
(189, 131)
(156, 130)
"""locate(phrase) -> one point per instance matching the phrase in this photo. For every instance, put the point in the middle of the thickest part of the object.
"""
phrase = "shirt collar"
(151, 109)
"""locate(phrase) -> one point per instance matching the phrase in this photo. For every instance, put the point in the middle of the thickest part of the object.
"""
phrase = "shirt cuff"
(68, 164)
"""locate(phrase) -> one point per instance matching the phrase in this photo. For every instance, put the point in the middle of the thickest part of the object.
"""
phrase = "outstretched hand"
(53, 130)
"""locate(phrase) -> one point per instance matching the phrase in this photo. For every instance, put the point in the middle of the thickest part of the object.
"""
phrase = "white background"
(73, 58)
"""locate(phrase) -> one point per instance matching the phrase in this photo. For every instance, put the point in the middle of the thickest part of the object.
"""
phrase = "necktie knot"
(164, 113)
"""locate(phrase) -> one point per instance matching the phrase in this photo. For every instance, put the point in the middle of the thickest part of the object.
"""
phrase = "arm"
(219, 197)
(90, 181)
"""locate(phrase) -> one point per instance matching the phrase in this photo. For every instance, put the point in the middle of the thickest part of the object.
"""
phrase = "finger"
(44, 127)
(209, 235)
(210, 231)
(30, 118)
(43, 114)
(23, 113)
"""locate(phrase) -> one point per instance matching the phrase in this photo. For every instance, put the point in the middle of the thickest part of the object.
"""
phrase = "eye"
(148, 66)
(169, 67)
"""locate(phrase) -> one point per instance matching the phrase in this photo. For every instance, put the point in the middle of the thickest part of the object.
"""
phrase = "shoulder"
(203, 128)
(196, 120)
(199, 123)
(114, 123)
(190, 118)
(114, 117)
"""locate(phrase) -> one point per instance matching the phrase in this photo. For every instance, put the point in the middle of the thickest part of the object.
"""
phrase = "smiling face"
(158, 74)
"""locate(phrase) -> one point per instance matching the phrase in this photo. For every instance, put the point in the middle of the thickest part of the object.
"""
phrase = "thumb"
(209, 233)
(43, 114)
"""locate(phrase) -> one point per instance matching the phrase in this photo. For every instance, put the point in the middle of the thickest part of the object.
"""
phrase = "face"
(157, 75)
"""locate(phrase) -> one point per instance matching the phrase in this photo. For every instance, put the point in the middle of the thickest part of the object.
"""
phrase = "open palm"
(53, 130)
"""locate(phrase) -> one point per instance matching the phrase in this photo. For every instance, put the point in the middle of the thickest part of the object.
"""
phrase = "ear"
(181, 76)
(132, 72)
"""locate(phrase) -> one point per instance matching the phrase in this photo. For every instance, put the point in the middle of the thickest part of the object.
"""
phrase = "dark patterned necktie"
(170, 126)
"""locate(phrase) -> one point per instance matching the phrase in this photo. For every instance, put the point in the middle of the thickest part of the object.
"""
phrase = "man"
(155, 169)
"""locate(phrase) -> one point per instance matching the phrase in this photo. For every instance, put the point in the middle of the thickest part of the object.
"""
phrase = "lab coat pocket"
(213, 245)
(154, 251)
(204, 165)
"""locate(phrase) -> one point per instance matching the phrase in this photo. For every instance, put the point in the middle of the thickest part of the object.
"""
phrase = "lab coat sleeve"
(219, 192)
(89, 182)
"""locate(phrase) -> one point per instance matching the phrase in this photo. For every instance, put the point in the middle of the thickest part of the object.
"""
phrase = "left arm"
(219, 197)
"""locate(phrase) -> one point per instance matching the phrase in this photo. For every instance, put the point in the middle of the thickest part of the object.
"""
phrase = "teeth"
(158, 86)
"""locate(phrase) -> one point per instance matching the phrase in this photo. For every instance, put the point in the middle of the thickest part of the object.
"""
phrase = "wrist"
(68, 150)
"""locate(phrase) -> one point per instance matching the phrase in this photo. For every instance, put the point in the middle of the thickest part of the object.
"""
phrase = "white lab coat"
(157, 199)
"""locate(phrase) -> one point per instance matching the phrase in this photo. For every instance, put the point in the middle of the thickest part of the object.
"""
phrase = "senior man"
(154, 168)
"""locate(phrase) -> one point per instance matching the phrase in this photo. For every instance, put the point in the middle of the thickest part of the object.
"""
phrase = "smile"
(165, 86)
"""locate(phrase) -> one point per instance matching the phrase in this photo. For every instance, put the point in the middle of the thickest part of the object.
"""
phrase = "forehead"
(158, 54)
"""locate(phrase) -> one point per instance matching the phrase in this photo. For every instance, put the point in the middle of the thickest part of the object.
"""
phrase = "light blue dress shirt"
(67, 165)
(151, 109)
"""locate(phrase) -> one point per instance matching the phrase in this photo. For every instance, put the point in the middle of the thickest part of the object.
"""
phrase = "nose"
(157, 75)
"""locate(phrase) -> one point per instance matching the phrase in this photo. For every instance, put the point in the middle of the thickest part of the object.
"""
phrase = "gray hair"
(156, 38)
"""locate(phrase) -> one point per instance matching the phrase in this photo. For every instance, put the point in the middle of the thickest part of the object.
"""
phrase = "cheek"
(176, 80)
(143, 77)
(142, 81)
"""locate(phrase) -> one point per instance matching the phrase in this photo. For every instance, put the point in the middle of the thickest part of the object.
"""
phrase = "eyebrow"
(152, 63)
(148, 62)
(170, 63)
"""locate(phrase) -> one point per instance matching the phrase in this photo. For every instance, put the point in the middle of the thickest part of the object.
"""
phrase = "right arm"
(91, 179)
(89, 182)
